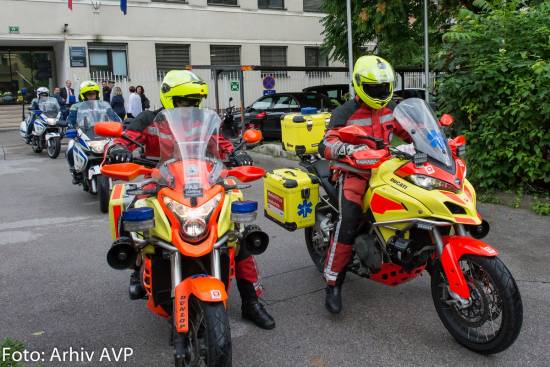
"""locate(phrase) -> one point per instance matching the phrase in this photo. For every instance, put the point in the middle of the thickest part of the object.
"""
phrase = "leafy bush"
(496, 83)
(14, 345)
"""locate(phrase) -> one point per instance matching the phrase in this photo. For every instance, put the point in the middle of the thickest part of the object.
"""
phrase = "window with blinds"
(313, 5)
(315, 57)
(273, 56)
(171, 56)
(225, 55)
(223, 2)
(271, 4)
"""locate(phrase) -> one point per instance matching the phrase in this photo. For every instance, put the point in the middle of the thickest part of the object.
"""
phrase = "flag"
(71, 4)
(123, 6)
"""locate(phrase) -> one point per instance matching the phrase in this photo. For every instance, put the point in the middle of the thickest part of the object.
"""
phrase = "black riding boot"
(135, 289)
(251, 307)
(333, 299)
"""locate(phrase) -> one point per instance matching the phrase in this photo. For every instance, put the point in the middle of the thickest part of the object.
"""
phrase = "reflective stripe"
(361, 122)
(153, 130)
(328, 273)
(386, 118)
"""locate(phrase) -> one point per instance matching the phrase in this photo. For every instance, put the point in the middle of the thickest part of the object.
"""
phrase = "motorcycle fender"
(455, 248)
(52, 135)
(205, 288)
(93, 171)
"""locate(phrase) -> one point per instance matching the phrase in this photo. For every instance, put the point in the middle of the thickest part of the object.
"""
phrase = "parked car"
(338, 93)
(266, 112)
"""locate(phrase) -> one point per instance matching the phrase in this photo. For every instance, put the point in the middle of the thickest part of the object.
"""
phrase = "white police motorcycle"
(86, 151)
(48, 127)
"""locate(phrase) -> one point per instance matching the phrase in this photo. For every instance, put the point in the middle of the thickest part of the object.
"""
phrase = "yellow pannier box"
(302, 132)
(290, 197)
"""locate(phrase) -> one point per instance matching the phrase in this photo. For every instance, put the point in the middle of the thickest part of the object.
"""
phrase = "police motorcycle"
(48, 127)
(87, 150)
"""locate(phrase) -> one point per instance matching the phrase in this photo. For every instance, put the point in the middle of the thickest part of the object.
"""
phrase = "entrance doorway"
(25, 67)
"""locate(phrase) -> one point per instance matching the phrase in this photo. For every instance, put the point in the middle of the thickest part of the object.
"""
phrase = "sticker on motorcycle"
(305, 208)
(429, 169)
(215, 294)
(276, 203)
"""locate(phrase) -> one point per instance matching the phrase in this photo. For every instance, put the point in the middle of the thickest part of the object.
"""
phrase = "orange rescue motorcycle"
(183, 225)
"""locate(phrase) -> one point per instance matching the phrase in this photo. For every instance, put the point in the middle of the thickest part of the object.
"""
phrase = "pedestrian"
(67, 94)
(106, 89)
(145, 104)
(57, 95)
(134, 103)
(117, 102)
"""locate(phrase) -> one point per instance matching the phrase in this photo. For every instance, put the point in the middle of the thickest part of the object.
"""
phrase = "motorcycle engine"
(409, 253)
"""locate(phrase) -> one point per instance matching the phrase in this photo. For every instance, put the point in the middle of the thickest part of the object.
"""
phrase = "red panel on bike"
(392, 274)
(380, 204)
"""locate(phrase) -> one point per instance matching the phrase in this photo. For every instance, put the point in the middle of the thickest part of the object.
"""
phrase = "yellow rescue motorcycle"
(420, 214)
(183, 226)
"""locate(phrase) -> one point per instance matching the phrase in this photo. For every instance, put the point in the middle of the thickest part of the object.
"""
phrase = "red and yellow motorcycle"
(182, 226)
(420, 214)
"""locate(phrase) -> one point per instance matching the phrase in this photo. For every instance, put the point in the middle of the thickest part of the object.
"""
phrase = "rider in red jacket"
(182, 88)
(373, 79)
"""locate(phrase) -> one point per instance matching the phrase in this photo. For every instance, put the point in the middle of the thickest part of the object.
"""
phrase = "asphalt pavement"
(57, 291)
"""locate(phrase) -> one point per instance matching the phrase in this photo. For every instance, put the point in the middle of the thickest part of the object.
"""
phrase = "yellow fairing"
(162, 227)
(224, 221)
(395, 198)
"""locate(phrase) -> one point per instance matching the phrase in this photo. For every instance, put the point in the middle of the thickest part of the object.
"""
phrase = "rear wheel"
(103, 192)
(492, 322)
(317, 246)
(54, 147)
(208, 341)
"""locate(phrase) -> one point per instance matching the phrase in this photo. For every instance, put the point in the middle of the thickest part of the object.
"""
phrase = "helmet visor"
(188, 101)
(377, 91)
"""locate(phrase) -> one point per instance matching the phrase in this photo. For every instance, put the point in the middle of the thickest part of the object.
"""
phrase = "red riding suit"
(378, 124)
(142, 130)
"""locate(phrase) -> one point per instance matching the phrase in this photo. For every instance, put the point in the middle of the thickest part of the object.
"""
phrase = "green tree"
(496, 75)
(395, 27)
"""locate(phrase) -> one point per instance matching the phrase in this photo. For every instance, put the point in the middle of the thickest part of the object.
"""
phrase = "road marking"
(38, 222)
(12, 237)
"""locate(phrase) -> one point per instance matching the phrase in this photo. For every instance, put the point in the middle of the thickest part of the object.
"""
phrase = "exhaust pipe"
(122, 255)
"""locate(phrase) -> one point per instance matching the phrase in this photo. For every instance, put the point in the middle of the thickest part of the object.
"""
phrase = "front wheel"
(54, 147)
(208, 341)
(103, 192)
(492, 322)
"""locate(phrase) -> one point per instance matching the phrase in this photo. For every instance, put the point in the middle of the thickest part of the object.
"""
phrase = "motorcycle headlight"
(430, 183)
(194, 221)
(97, 146)
(52, 121)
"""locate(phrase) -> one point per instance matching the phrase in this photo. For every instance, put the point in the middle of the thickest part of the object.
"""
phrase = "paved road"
(56, 289)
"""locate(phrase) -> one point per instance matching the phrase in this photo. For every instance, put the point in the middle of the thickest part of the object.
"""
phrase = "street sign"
(13, 29)
(78, 57)
(234, 86)
(267, 92)
(269, 82)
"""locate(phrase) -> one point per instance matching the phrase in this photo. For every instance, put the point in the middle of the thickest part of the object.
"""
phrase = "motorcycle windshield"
(419, 121)
(91, 112)
(189, 153)
(49, 106)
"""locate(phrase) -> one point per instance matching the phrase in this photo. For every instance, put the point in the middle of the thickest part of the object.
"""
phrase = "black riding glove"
(119, 154)
(240, 158)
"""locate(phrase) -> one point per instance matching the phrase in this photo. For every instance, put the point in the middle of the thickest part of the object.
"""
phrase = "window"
(225, 55)
(285, 102)
(315, 57)
(171, 56)
(107, 60)
(313, 5)
(271, 4)
(224, 2)
(273, 56)
(262, 104)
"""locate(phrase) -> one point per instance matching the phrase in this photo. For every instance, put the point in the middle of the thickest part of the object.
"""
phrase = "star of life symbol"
(304, 209)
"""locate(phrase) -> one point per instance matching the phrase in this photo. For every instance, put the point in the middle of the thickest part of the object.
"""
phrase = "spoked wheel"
(208, 342)
(317, 246)
(54, 147)
(492, 322)
(103, 192)
(35, 145)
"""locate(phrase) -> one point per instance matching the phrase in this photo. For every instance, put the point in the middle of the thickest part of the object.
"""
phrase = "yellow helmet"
(373, 79)
(184, 87)
(86, 87)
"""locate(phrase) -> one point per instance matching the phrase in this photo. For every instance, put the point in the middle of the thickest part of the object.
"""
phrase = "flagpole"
(350, 49)
(426, 54)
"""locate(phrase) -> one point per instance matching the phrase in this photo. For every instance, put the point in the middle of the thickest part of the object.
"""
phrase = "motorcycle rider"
(182, 88)
(41, 92)
(373, 79)
(89, 91)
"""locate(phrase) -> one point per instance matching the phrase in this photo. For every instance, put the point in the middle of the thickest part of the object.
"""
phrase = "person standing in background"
(134, 103)
(117, 102)
(57, 95)
(145, 104)
(106, 89)
(67, 94)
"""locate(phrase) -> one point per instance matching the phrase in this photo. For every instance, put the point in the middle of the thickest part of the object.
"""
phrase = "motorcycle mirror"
(108, 129)
(446, 120)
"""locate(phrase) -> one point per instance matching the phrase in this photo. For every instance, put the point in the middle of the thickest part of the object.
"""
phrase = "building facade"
(42, 42)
